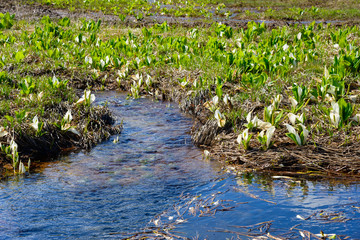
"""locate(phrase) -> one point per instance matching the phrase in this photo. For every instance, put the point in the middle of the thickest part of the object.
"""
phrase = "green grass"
(250, 65)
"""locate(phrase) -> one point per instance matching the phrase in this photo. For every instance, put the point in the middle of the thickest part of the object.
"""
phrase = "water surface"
(121, 188)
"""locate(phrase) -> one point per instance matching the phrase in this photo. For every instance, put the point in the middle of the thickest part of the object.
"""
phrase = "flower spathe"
(221, 120)
(68, 117)
(87, 98)
(35, 123)
(3, 132)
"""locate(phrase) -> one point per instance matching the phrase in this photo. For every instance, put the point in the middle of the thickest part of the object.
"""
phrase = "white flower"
(215, 100)
(299, 36)
(292, 130)
(3, 132)
(305, 133)
(13, 147)
(68, 117)
(263, 125)
(352, 98)
(335, 114)
(22, 169)
(221, 120)
(243, 136)
(277, 100)
(35, 123)
(293, 102)
(285, 47)
(55, 81)
(293, 117)
(269, 134)
(86, 98)
(356, 118)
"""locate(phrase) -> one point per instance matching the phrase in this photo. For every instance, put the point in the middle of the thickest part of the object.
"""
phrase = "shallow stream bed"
(154, 178)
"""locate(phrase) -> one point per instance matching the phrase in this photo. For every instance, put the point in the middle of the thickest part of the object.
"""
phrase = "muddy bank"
(35, 11)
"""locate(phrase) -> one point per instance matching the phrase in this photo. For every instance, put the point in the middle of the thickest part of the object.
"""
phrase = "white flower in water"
(171, 218)
(206, 153)
(293, 102)
(293, 118)
(22, 169)
(221, 120)
(68, 117)
(3, 132)
(35, 123)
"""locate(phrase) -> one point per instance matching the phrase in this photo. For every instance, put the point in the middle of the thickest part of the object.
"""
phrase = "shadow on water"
(153, 178)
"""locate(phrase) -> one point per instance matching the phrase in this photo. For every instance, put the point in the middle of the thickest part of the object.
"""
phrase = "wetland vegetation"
(278, 97)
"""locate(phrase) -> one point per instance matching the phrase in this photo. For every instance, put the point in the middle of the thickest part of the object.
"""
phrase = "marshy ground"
(295, 64)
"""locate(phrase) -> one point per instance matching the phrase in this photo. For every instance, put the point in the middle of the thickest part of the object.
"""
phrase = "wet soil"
(326, 158)
(34, 12)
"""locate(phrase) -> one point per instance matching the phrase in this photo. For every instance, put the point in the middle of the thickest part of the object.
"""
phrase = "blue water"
(118, 189)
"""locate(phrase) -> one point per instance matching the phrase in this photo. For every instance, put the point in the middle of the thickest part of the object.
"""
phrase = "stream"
(153, 178)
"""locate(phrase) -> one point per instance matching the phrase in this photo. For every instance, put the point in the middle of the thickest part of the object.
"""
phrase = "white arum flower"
(293, 102)
(292, 130)
(221, 120)
(227, 99)
(293, 118)
(285, 47)
(148, 80)
(269, 134)
(68, 117)
(243, 136)
(215, 100)
(352, 98)
(277, 100)
(3, 132)
(335, 114)
(263, 125)
(55, 81)
(356, 118)
(22, 169)
(252, 123)
(40, 95)
(305, 133)
(13, 147)
(86, 98)
(35, 123)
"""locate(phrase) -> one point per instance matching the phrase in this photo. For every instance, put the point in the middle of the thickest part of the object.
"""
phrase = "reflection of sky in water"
(119, 187)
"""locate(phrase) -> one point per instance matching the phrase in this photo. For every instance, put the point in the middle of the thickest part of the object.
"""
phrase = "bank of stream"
(151, 181)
